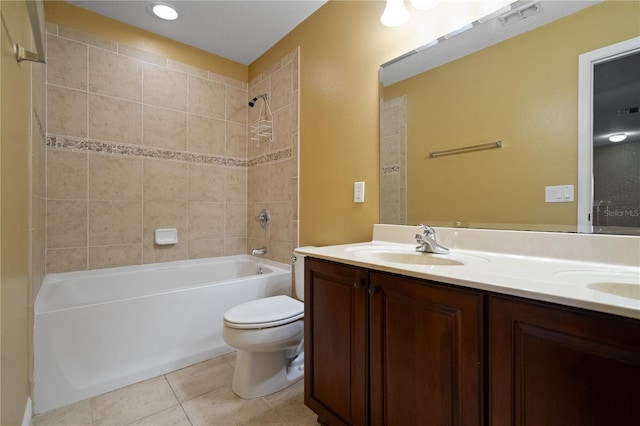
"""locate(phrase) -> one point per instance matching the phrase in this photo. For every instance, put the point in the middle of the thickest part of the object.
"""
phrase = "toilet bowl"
(268, 336)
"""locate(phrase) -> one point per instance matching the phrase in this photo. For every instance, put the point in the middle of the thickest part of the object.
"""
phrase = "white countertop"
(597, 286)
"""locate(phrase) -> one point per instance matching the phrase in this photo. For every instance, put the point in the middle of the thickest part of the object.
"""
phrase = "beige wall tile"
(206, 98)
(236, 140)
(206, 183)
(66, 175)
(165, 128)
(236, 185)
(165, 88)
(164, 180)
(227, 81)
(259, 183)
(236, 105)
(282, 128)
(279, 181)
(281, 251)
(206, 135)
(281, 221)
(201, 249)
(282, 87)
(66, 260)
(233, 246)
(39, 169)
(236, 220)
(187, 69)
(66, 63)
(115, 120)
(66, 223)
(115, 222)
(142, 55)
(115, 177)
(113, 256)
(115, 75)
(87, 38)
(66, 112)
(164, 214)
(206, 221)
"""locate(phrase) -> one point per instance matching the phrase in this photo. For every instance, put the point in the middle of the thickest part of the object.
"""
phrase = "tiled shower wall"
(393, 169)
(273, 185)
(137, 142)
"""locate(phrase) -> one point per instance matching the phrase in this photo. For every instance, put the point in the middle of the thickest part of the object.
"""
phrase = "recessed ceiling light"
(164, 11)
(619, 137)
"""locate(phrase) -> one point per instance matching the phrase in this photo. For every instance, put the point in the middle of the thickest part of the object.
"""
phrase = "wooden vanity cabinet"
(336, 342)
(555, 365)
(425, 352)
(382, 349)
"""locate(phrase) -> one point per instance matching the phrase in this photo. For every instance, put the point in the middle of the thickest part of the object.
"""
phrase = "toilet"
(268, 336)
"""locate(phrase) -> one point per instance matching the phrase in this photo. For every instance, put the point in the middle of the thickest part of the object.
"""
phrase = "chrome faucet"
(427, 241)
(261, 250)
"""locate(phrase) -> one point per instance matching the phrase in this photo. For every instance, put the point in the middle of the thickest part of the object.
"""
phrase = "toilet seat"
(263, 313)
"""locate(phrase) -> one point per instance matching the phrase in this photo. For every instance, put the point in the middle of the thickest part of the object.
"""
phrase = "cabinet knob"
(373, 290)
(356, 284)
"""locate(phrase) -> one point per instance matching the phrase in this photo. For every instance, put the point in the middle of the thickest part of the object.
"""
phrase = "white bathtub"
(95, 331)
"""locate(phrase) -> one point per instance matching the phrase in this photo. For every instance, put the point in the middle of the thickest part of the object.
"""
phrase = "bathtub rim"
(55, 277)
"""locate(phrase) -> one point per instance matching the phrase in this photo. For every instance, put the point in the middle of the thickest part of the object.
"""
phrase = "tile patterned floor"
(197, 395)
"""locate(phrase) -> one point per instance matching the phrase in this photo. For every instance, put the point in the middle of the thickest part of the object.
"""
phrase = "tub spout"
(261, 250)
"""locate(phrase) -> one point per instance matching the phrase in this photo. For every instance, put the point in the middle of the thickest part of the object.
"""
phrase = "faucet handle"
(427, 231)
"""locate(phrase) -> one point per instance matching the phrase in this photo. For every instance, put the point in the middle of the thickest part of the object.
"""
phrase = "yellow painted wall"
(524, 92)
(341, 47)
(85, 21)
(14, 214)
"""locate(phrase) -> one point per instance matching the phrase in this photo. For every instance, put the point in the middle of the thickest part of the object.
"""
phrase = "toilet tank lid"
(272, 309)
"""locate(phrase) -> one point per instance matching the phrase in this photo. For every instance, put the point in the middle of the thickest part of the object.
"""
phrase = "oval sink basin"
(413, 258)
(628, 290)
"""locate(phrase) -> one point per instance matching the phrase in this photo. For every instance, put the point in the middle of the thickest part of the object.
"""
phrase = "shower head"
(252, 102)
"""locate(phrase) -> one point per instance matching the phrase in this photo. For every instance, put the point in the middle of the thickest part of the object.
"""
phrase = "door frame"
(586, 62)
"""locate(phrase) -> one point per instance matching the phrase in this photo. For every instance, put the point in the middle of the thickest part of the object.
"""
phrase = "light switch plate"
(358, 192)
(558, 194)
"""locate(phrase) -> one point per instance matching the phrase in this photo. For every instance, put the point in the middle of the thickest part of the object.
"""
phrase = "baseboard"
(28, 413)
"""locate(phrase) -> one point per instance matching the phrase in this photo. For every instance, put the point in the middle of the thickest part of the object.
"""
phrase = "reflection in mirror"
(609, 140)
(522, 91)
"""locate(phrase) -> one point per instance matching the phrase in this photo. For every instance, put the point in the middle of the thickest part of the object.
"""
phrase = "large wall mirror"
(508, 90)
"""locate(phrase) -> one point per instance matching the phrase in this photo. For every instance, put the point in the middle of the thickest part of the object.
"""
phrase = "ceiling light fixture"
(618, 137)
(164, 11)
(394, 14)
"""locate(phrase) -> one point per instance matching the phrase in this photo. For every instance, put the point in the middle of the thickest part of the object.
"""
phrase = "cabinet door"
(552, 365)
(336, 367)
(426, 353)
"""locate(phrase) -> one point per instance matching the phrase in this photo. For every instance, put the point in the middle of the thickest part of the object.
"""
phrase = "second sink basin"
(628, 290)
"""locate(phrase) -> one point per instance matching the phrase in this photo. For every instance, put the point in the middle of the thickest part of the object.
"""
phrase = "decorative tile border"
(391, 170)
(81, 144)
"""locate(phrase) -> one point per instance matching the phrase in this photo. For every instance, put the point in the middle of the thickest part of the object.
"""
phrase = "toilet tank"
(298, 275)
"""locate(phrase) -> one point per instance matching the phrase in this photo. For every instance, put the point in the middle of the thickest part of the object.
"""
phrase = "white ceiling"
(239, 30)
